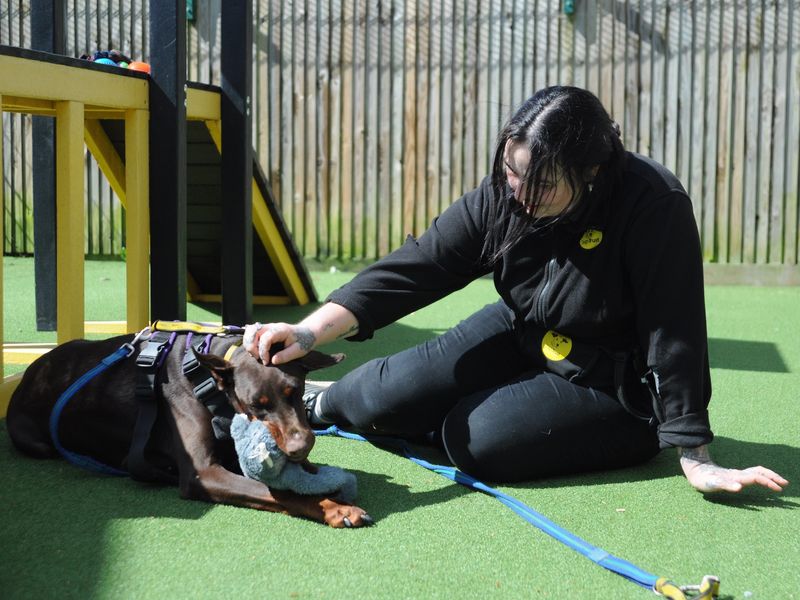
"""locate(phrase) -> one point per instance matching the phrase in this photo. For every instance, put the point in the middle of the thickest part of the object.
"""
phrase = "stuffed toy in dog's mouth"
(261, 459)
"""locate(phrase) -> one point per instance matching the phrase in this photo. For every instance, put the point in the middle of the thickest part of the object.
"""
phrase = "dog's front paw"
(344, 515)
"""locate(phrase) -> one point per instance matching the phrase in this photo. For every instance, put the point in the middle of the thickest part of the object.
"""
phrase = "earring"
(590, 185)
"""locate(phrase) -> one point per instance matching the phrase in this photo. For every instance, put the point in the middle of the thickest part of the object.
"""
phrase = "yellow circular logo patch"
(591, 239)
(556, 346)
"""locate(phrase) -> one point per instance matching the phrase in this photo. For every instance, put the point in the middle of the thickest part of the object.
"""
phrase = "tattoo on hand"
(305, 338)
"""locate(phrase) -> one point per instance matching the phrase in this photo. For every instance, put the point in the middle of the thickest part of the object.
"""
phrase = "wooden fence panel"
(372, 116)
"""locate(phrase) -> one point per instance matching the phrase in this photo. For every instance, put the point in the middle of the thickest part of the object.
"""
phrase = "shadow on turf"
(745, 355)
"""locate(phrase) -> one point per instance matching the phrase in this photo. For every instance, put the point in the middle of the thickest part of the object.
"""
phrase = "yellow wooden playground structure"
(106, 109)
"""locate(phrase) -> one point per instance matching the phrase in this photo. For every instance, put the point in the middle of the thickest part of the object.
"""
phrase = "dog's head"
(272, 394)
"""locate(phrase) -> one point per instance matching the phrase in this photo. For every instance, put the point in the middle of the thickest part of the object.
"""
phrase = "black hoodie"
(611, 299)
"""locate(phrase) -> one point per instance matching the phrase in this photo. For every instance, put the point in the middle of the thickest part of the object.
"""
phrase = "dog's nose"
(299, 443)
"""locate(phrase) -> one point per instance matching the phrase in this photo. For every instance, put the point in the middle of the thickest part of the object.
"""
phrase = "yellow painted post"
(137, 222)
(69, 220)
(2, 239)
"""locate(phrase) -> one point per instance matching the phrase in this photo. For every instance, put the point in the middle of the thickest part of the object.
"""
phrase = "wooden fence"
(371, 116)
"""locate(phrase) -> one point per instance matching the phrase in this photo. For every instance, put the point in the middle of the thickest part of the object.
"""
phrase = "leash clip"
(129, 349)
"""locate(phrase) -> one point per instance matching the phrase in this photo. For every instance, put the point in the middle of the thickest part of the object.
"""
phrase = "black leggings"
(499, 420)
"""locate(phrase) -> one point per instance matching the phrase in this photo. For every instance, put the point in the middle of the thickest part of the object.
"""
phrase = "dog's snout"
(299, 443)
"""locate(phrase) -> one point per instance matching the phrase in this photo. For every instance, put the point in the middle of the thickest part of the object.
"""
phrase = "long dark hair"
(568, 133)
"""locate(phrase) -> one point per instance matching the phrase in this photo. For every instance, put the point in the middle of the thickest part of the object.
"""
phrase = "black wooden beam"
(47, 34)
(168, 159)
(237, 162)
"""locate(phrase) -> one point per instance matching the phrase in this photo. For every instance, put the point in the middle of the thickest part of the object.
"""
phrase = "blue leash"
(597, 555)
(80, 460)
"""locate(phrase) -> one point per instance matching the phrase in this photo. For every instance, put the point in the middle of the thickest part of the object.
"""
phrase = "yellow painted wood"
(192, 289)
(7, 387)
(69, 220)
(32, 106)
(28, 78)
(109, 327)
(202, 105)
(2, 240)
(137, 174)
(279, 255)
(24, 354)
(215, 129)
(270, 237)
(106, 156)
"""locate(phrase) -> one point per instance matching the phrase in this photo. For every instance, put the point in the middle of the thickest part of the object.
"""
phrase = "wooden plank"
(446, 106)
(299, 125)
(766, 141)
(724, 131)
(619, 37)
(672, 52)
(580, 47)
(396, 231)
(410, 117)
(605, 53)
(698, 111)
(2, 231)
(630, 123)
(372, 160)
(310, 104)
(592, 47)
(432, 162)
(685, 99)
(287, 87)
(456, 139)
(334, 215)
(384, 200)
(42, 80)
(137, 264)
(712, 94)
(423, 108)
(359, 128)
(738, 134)
(791, 237)
(751, 274)
(540, 43)
(323, 130)
(69, 221)
(658, 26)
(275, 163)
(482, 57)
(752, 141)
(776, 250)
(348, 98)
(470, 92)
(643, 140)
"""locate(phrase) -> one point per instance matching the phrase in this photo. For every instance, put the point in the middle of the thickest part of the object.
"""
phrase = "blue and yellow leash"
(708, 588)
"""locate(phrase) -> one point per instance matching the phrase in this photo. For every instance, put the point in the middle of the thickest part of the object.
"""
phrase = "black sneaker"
(311, 393)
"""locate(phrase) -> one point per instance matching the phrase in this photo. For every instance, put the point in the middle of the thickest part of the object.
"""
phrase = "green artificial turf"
(65, 533)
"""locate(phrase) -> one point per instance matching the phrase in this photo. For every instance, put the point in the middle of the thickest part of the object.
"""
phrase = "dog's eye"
(264, 402)
(288, 391)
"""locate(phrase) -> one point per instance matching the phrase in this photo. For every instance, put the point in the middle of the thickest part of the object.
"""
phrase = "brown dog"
(99, 421)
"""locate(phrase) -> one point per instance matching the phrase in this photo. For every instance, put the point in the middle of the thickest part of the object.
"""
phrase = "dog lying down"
(185, 440)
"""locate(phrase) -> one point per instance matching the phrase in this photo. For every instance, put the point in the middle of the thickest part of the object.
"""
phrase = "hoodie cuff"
(687, 431)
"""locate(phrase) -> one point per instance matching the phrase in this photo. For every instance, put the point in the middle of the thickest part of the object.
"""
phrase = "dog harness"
(142, 464)
(154, 348)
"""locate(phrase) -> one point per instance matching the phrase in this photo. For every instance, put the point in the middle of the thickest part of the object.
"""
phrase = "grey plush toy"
(261, 459)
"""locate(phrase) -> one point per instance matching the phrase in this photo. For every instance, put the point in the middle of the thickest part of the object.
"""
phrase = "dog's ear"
(221, 370)
(319, 360)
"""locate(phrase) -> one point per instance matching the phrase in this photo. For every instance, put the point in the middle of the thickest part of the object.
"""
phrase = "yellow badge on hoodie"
(591, 238)
(556, 346)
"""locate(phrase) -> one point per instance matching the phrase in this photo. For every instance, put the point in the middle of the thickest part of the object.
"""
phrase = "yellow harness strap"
(231, 351)
(187, 326)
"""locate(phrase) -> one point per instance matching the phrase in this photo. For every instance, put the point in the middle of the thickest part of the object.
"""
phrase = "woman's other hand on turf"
(706, 476)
